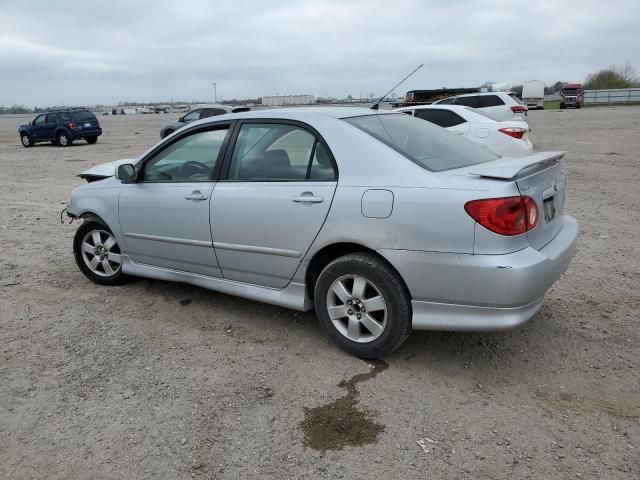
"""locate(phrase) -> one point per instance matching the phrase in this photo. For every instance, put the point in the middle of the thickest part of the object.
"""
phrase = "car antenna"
(376, 105)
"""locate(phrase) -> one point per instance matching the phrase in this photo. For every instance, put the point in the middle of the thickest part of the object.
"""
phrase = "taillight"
(514, 132)
(519, 108)
(505, 216)
(73, 126)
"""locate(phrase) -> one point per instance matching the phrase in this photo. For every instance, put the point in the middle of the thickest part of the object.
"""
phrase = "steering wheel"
(192, 167)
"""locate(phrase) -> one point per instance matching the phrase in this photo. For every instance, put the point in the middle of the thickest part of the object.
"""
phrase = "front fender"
(98, 199)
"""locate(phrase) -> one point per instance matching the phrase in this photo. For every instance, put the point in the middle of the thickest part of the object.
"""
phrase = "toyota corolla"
(382, 222)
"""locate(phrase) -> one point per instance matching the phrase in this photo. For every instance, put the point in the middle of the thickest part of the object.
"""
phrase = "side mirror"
(126, 173)
(181, 119)
(32, 122)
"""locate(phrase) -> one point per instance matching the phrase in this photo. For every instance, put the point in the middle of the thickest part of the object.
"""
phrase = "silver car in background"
(199, 113)
(381, 221)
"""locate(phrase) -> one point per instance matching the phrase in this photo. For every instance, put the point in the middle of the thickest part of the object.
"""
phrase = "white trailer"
(533, 94)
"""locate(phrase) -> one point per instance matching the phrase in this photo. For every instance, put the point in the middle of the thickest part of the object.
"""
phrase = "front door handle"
(196, 195)
(308, 197)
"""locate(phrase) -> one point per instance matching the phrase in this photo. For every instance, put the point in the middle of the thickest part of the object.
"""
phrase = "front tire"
(98, 255)
(63, 139)
(363, 305)
(167, 133)
(26, 140)
(91, 140)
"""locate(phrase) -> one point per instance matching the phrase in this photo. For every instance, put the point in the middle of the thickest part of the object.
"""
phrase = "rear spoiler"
(509, 168)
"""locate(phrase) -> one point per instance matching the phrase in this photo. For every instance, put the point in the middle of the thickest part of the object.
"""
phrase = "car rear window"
(425, 144)
(83, 116)
(515, 97)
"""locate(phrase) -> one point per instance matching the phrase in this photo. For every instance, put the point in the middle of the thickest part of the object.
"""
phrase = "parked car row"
(381, 221)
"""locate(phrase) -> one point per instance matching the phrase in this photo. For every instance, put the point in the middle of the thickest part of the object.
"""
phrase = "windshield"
(571, 91)
(424, 143)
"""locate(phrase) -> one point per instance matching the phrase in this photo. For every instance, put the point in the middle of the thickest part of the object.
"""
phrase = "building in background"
(282, 100)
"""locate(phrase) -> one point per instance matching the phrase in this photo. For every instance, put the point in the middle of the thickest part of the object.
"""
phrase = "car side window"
(211, 112)
(321, 166)
(52, 118)
(64, 117)
(469, 102)
(192, 116)
(455, 119)
(190, 159)
(490, 101)
(408, 112)
(448, 101)
(439, 117)
(39, 120)
(272, 152)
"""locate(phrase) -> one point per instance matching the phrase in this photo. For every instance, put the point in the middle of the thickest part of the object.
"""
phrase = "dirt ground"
(161, 380)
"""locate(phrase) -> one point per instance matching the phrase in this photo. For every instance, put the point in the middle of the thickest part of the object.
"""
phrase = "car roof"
(439, 106)
(481, 94)
(295, 113)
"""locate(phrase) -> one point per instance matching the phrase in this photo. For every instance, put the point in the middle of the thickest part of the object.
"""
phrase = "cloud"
(157, 50)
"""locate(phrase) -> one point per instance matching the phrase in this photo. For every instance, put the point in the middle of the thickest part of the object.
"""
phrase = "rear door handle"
(308, 197)
(196, 195)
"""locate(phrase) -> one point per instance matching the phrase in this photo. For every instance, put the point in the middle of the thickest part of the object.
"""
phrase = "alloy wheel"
(357, 308)
(101, 253)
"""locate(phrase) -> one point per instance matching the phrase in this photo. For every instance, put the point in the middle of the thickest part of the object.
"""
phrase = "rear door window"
(52, 118)
(279, 152)
(442, 118)
(469, 101)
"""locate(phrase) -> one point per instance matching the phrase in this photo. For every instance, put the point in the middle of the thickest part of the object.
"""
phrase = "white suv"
(500, 105)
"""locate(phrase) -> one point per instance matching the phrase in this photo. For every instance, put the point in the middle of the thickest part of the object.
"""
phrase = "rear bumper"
(482, 292)
(80, 134)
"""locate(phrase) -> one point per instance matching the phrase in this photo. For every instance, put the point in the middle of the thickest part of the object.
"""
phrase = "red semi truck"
(572, 95)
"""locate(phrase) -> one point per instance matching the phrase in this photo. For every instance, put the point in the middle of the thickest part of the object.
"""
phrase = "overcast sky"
(86, 52)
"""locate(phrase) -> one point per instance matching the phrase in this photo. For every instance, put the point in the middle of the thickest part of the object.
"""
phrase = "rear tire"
(562, 106)
(26, 140)
(369, 303)
(98, 255)
(91, 140)
(63, 139)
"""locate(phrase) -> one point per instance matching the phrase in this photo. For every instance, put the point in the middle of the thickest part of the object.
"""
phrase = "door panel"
(167, 225)
(262, 230)
(165, 216)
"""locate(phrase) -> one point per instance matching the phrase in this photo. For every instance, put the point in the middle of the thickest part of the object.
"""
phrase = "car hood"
(104, 170)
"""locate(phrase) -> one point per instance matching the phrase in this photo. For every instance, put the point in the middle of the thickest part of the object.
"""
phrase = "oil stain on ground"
(340, 423)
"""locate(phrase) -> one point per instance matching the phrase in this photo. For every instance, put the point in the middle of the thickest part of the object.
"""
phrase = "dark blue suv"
(61, 127)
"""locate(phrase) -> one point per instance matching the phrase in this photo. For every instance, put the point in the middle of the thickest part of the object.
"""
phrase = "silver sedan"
(382, 222)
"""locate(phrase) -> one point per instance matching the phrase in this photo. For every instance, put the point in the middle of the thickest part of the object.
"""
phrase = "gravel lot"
(161, 380)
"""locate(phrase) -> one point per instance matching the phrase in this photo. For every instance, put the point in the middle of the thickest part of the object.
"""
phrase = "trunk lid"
(539, 176)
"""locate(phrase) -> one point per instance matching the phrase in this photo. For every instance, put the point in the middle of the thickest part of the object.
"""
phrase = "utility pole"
(215, 93)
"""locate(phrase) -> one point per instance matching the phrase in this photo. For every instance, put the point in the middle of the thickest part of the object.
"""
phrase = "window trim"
(226, 167)
(229, 125)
